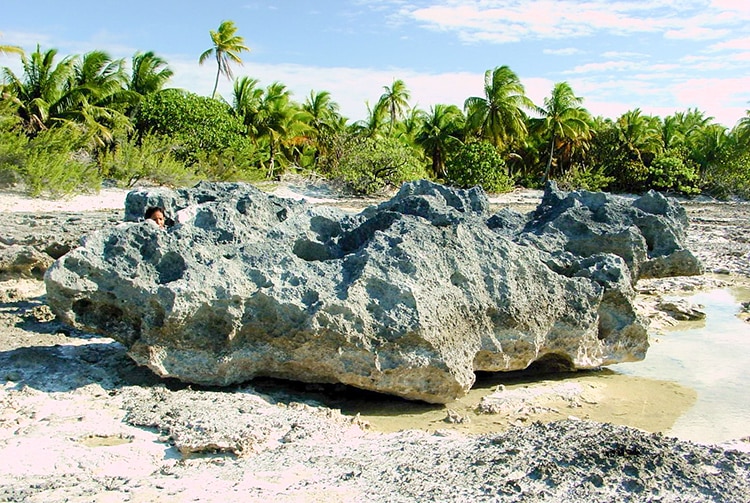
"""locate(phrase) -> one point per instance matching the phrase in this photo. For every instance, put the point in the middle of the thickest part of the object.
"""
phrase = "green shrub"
(51, 166)
(478, 163)
(238, 163)
(12, 144)
(671, 173)
(153, 159)
(729, 176)
(196, 124)
(12, 148)
(584, 178)
(367, 166)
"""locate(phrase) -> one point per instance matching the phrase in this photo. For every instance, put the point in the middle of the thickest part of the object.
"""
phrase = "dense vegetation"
(68, 123)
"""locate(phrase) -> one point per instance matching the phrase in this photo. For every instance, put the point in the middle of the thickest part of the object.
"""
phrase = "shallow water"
(711, 357)
(692, 385)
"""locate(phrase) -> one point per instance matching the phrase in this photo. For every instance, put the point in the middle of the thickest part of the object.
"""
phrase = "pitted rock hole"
(106, 316)
(325, 228)
(551, 363)
(312, 251)
(205, 220)
(358, 237)
(171, 268)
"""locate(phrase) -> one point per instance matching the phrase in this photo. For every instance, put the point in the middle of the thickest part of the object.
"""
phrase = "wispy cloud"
(722, 98)
(739, 44)
(566, 51)
(604, 66)
(513, 20)
(695, 33)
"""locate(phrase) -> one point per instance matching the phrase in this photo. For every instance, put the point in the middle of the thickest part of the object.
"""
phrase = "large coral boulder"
(410, 297)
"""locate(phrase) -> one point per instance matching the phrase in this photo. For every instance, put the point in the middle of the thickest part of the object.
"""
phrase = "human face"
(158, 217)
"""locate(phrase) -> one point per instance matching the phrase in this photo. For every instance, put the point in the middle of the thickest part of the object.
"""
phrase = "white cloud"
(623, 54)
(740, 8)
(502, 21)
(604, 66)
(566, 51)
(739, 43)
(695, 33)
(724, 99)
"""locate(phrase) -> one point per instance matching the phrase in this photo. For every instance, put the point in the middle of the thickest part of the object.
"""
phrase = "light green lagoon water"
(711, 357)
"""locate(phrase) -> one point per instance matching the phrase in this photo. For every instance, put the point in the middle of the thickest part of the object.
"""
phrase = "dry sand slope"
(80, 422)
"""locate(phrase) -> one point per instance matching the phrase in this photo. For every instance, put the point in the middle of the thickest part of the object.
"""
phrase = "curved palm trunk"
(216, 83)
(437, 163)
(549, 161)
(271, 161)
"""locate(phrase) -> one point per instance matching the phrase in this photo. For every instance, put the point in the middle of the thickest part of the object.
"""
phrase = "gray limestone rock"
(648, 232)
(409, 297)
(23, 261)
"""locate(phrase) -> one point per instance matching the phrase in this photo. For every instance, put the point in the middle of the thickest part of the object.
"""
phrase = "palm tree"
(88, 91)
(499, 116)
(563, 119)
(148, 73)
(411, 124)
(246, 97)
(227, 47)
(641, 134)
(277, 120)
(708, 146)
(99, 95)
(742, 130)
(324, 112)
(395, 100)
(324, 120)
(11, 49)
(672, 132)
(42, 94)
(440, 131)
(373, 125)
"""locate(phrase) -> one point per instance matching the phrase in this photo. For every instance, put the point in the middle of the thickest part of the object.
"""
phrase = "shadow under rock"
(63, 368)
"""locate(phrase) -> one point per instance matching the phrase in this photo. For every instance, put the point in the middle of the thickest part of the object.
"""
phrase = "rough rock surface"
(648, 233)
(409, 297)
(30, 243)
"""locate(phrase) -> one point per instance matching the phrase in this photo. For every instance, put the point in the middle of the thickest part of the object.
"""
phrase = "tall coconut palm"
(324, 121)
(499, 116)
(324, 112)
(148, 73)
(98, 94)
(564, 119)
(742, 130)
(374, 124)
(42, 93)
(246, 97)
(395, 100)
(227, 48)
(640, 134)
(277, 120)
(440, 131)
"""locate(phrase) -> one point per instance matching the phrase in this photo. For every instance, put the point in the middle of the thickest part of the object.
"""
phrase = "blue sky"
(661, 56)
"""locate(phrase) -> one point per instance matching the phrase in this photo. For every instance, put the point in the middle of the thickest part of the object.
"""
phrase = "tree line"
(68, 123)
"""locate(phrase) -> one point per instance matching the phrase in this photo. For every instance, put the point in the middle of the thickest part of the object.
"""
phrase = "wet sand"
(691, 386)
(605, 396)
